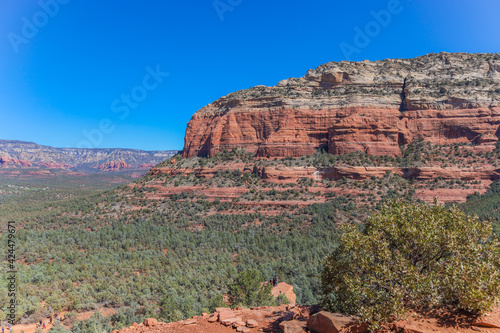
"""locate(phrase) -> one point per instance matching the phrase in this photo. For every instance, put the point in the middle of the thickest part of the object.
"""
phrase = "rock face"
(478, 175)
(285, 174)
(114, 166)
(368, 106)
(287, 290)
(9, 161)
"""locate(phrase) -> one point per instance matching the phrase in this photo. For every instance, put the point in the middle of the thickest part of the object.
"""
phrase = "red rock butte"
(374, 107)
(114, 166)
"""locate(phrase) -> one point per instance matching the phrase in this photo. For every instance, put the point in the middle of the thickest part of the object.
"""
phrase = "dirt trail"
(268, 320)
(31, 328)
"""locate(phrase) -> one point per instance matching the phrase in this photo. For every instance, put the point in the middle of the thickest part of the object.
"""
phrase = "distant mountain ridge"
(14, 153)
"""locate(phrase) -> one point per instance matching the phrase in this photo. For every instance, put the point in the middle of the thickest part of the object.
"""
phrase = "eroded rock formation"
(367, 106)
(114, 166)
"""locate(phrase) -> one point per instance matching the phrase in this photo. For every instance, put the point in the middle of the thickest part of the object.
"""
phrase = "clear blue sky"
(65, 71)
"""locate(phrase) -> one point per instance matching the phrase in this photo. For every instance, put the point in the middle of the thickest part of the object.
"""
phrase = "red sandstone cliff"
(9, 161)
(368, 106)
(114, 166)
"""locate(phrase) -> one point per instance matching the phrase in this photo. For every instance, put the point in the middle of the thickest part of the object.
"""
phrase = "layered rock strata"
(366, 106)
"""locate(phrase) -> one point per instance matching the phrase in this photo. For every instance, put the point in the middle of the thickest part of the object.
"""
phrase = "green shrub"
(249, 290)
(126, 316)
(170, 309)
(97, 323)
(58, 328)
(281, 299)
(70, 318)
(216, 302)
(412, 255)
(486, 205)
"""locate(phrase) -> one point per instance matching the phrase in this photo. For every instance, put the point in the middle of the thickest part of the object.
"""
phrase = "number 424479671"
(11, 256)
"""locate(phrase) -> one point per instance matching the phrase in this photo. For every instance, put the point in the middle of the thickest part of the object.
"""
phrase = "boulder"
(293, 326)
(327, 322)
(230, 321)
(190, 321)
(243, 329)
(238, 323)
(221, 309)
(150, 322)
(226, 314)
(252, 323)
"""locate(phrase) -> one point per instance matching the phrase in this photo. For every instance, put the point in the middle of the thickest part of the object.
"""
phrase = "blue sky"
(67, 66)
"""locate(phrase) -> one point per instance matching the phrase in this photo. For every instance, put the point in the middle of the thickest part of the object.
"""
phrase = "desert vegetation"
(413, 256)
(158, 248)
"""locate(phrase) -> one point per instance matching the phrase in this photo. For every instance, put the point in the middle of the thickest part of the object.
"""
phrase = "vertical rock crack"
(404, 103)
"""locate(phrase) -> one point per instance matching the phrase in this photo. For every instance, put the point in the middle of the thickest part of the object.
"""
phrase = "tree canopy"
(249, 290)
(413, 255)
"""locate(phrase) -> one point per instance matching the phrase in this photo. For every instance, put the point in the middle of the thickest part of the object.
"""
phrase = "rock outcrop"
(285, 174)
(285, 289)
(114, 166)
(7, 161)
(302, 319)
(367, 106)
(259, 319)
(478, 175)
